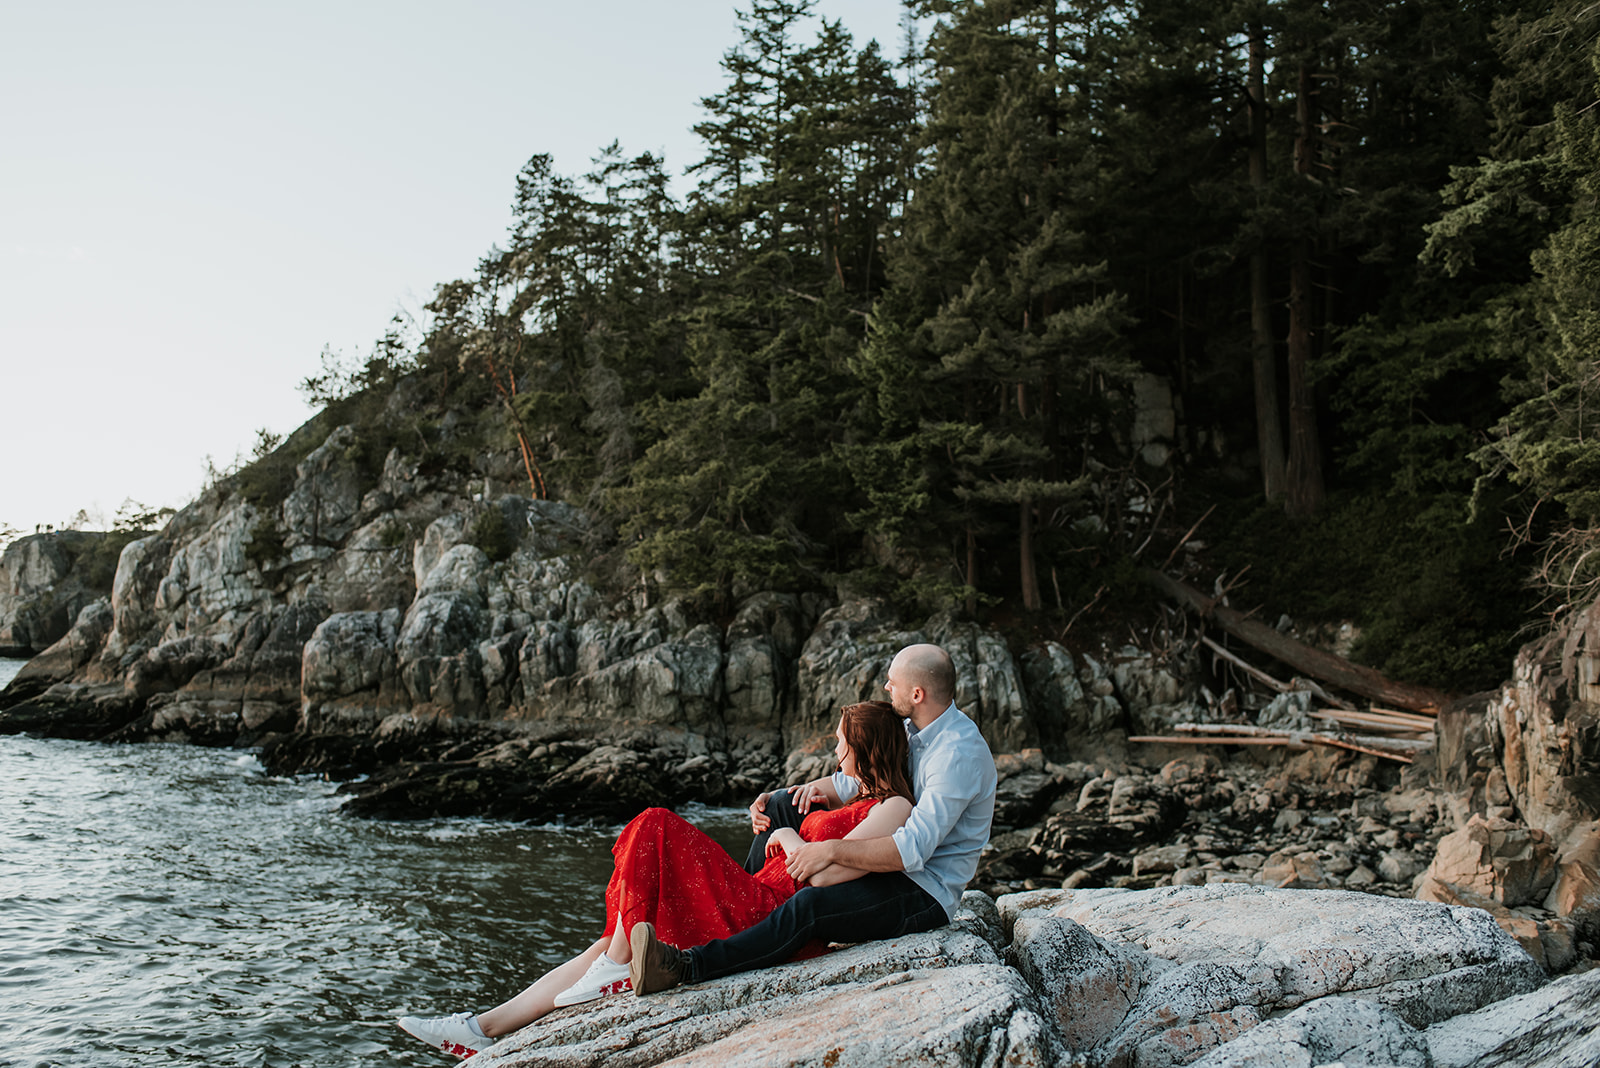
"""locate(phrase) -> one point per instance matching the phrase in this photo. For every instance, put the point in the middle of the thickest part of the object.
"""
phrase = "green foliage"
(1424, 581)
(97, 563)
(266, 545)
(891, 340)
(490, 532)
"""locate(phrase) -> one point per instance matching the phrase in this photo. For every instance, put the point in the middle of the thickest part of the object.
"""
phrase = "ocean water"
(166, 905)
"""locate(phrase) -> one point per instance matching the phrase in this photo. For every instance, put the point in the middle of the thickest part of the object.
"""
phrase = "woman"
(670, 873)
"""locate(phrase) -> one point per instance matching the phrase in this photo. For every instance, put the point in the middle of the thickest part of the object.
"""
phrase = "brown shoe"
(655, 965)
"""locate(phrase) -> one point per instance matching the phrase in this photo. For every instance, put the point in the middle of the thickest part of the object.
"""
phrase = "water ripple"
(170, 905)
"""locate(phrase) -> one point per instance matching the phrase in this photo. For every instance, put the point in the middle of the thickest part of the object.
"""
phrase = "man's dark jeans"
(876, 906)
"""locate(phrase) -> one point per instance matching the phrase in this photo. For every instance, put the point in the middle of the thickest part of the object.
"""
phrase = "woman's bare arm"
(885, 818)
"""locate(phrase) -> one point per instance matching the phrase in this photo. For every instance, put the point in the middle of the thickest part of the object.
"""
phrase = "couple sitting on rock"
(861, 855)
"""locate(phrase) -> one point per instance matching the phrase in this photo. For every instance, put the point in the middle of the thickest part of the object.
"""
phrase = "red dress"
(672, 874)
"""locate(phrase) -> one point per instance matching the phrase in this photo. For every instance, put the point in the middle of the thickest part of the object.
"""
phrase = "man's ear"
(918, 695)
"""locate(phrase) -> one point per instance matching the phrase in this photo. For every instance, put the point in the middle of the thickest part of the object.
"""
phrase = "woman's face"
(843, 753)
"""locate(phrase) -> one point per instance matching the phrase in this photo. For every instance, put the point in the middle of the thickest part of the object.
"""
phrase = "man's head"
(921, 683)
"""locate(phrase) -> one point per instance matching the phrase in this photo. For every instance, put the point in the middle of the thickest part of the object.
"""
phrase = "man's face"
(899, 691)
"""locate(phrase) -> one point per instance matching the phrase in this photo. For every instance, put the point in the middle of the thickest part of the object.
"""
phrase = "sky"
(196, 199)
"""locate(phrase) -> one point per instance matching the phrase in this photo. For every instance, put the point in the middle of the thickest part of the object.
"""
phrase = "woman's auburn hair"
(876, 734)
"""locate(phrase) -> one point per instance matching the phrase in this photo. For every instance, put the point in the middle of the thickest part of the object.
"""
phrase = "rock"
(1546, 726)
(1288, 712)
(989, 685)
(1577, 887)
(763, 641)
(952, 1002)
(1552, 1027)
(1025, 787)
(1154, 690)
(1087, 984)
(46, 580)
(1493, 859)
(1346, 1030)
(349, 674)
(1061, 707)
(846, 657)
(171, 665)
(66, 657)
(321, 510)
(1212, 962)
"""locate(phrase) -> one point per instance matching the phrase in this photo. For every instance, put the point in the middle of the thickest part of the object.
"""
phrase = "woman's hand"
(810, 794)
(786, 839)
(809, 858)
(759, 820)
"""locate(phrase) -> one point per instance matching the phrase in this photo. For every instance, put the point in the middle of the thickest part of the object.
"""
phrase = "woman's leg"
(539, 998)
(618, 949)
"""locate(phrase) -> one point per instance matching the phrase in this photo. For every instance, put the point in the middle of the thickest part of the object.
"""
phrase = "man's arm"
(815, 862)
(945, 796)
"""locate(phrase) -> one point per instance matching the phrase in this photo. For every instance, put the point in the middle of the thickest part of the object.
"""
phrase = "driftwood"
(1399, 749)
(1328, 667)
(1282, 687)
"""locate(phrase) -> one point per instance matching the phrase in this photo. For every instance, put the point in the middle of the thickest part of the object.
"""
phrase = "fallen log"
(1328, 667)
(1407, 725)
(1396, 749)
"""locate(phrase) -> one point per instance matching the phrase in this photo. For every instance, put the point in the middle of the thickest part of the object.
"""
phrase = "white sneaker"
(457, 1035)
(603, 977)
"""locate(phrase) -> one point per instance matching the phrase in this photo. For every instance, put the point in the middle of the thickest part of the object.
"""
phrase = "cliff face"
(45, 581)
(416, 614)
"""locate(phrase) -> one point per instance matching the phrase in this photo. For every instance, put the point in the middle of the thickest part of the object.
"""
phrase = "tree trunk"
(1303, 658)
(972, 572)
(1305, 451)
(1030, 576)
(1263, 360)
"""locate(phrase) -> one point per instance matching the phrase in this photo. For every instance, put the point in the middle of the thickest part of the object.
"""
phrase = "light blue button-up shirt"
(952, 774)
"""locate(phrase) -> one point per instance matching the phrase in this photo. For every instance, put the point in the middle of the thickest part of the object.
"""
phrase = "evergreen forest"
(1299, 295)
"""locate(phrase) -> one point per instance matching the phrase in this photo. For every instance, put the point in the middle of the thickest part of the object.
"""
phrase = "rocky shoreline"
(1222, 976)
(439, 649)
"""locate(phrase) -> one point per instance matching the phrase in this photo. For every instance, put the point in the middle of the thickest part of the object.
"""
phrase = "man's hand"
(759, 820)
(808, 794)
(810, 858)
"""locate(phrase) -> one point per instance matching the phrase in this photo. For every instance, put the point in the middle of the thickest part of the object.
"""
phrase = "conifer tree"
(781, 238)
(991, 361)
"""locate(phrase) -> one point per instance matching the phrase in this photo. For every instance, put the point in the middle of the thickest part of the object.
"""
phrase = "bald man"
(872, 888)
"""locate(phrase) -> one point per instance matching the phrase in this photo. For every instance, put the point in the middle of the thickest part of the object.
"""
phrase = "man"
(866, 889)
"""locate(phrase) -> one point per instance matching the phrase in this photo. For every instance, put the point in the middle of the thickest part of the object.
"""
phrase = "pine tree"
(738, 490)
(1001, 333)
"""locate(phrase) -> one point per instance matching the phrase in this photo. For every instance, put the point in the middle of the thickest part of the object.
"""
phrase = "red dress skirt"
(672, 874)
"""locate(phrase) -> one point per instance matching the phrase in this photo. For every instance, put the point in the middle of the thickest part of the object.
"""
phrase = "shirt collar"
(941, 722)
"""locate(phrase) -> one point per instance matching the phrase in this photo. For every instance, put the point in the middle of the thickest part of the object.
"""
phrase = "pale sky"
(196, 198)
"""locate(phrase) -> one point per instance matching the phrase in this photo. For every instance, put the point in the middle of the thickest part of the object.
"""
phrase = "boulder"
(349, 676)
(1491, 859)
(1349, 1031)
(951, 1000)
(1063, 706)
(1026, 786)
(1202, 965)
(1552, 1027)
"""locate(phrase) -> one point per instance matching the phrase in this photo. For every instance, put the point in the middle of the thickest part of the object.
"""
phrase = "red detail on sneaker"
(456, 1049)
(617, 987)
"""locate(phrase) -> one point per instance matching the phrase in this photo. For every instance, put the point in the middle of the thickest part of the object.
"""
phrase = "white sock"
(473, 1026)
(607, 958)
